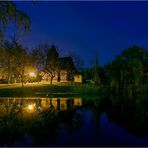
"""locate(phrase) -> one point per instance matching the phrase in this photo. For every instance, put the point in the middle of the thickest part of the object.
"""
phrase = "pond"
(80, 121)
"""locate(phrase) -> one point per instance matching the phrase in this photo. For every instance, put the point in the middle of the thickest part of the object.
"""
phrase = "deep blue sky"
(83, 27)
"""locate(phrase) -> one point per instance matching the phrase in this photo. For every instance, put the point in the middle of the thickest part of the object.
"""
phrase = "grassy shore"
(44, 89)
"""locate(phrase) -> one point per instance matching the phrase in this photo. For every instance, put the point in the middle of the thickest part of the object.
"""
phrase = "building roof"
(66, 63)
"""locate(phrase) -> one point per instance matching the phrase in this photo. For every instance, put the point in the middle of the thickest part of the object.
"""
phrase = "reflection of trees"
(10, 123)
(9, 106)
(40, 123)
(97, 106)
(10, 130)
(15, 122)
(45, 128)
(69, 113)
(72, 118)
(42, 128)
(129, 113)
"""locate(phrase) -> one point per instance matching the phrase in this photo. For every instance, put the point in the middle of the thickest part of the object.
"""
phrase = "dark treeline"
(127, 73)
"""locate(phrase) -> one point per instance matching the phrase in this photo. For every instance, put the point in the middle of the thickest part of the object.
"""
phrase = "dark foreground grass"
(51, 90)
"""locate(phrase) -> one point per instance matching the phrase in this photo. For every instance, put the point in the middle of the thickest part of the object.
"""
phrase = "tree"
(134, 52)
(46, 58)
(135, 71)
(35, 57)
(15, 62)
(139, 53)
(21, 62)
(87, 74)
(39, 55)
(51, 66)
(126, 71)
(6, 60)
(9, 12)
(95, 68)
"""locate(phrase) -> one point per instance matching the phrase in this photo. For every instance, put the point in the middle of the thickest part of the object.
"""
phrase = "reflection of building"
(45, 104)
(60, 103)
(63, 104)
(77, 101)
(55, 103)
(31, 105)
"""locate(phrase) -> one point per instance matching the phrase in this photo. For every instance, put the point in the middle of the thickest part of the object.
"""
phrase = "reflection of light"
(31, 107)
(32, 74)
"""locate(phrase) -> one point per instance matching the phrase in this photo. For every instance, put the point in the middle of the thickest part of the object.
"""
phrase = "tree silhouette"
(51, 66)
(9, 12)
(126, 71)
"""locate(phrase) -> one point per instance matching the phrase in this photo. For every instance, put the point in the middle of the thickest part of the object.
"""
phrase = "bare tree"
(46, 58)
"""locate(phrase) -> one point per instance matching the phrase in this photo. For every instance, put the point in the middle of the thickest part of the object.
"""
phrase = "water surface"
(84, 121)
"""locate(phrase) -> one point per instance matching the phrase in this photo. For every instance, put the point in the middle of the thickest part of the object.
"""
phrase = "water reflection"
(35, 117)
(129, 113)
(31, 105)
(73, 122)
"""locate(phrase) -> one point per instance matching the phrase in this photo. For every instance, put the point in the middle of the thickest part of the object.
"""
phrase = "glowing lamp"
(32, 74)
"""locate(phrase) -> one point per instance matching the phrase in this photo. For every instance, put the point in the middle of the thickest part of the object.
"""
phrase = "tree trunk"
(22, 82)
(9, 75)
(51, 80)
(9, 79)
(9, 71)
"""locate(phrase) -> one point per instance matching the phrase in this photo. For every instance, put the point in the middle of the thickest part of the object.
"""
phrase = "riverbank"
(44, 89)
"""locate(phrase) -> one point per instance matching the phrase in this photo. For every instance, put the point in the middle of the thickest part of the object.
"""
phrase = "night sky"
(84, 27)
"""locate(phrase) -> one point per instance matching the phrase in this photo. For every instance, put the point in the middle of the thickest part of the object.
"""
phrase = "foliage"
(95, 69)
(126, 72)
(87, 75)
(15, 62)
(9, 12)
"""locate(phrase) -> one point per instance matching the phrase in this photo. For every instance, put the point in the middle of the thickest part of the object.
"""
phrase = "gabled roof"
(66, 63)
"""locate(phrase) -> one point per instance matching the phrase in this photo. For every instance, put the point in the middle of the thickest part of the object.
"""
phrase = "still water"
(89, 121)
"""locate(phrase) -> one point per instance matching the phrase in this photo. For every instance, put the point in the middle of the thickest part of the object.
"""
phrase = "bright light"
(30, 107)
(32, 74)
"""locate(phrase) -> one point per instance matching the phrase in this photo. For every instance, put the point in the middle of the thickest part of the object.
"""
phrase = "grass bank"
(44, 89)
